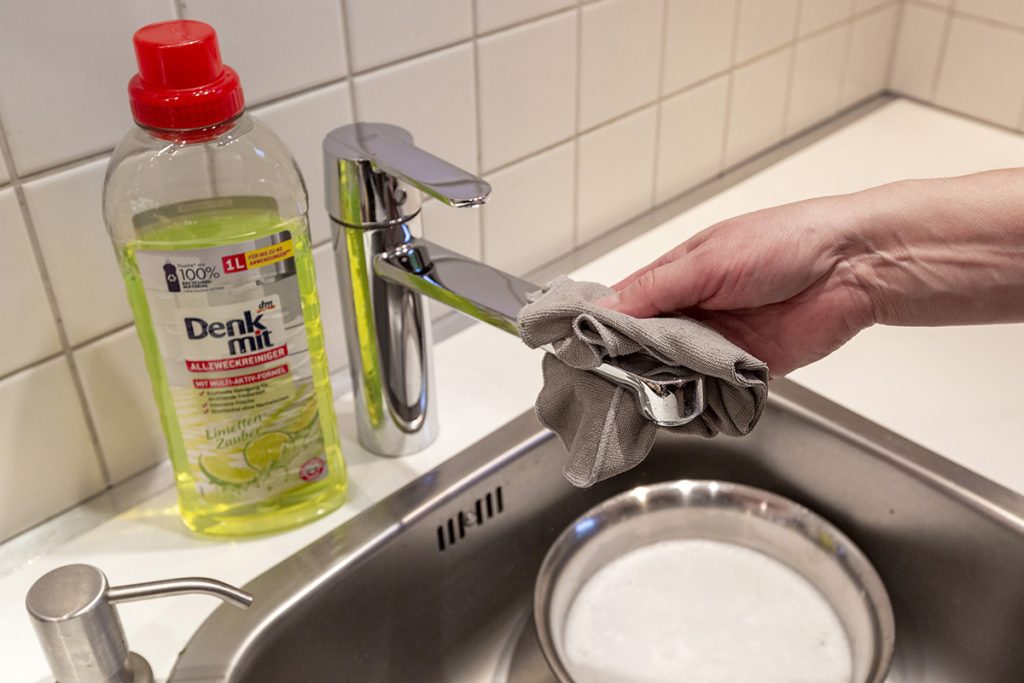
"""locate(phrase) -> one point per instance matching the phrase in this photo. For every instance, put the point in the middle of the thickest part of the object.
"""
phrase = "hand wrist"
(865, 234)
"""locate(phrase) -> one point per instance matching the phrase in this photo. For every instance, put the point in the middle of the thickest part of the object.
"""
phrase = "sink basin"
(435, 583)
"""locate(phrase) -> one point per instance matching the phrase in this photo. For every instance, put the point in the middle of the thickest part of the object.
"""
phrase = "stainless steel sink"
(435, 582)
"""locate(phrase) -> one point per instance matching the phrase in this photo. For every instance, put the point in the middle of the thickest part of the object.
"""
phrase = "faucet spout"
(469, 286)
(496, 297)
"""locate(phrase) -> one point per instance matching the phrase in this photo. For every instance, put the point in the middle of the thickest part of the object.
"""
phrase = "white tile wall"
(1003, 11)
(527, 89)
(979, 48)
(495, 14)
(24, 308)
(619, 55)
(966, 56)
(4, 173)
(582, 115)
(764, 26)
(80, 261)
(918, 49)
(517, 238)
(758, 108)
(383, 32)
(817, 78)
(609, 194)
(64, 70)
(432, 96)
(692, 130)
(698, 41)
(298, 43)
(301, 122)
(120, 400)
(867, 66)
(817, 14)
(47, 459)
(456, 229)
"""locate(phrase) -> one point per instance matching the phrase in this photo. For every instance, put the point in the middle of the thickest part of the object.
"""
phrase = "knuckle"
(647, 289)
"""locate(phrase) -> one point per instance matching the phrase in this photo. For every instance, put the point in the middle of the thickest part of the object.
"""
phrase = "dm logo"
(171, 276)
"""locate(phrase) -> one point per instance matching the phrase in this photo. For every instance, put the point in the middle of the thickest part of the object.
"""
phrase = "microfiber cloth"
(600, 423)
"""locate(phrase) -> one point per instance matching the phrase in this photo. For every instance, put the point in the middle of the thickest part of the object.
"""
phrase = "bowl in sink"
(720, 580)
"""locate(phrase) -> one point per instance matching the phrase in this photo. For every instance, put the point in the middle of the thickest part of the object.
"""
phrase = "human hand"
(777, 282)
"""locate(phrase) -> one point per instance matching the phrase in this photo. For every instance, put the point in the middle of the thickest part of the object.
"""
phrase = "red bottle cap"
(182, 84)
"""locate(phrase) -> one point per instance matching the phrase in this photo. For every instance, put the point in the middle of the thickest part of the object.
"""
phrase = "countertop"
(954, 390)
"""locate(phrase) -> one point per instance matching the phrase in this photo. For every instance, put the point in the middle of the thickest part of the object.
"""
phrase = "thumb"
(665, 289)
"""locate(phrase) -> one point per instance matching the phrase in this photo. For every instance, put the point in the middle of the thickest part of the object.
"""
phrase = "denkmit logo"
(245, 335)
(171, 277)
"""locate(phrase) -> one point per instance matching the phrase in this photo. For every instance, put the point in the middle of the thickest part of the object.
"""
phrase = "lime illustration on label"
(229, 326)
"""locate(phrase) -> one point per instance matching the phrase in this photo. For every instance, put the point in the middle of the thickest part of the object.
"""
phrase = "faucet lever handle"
(428, 173)
(365, 151)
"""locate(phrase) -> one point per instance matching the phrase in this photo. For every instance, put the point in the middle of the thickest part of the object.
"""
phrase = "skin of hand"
(793, 283)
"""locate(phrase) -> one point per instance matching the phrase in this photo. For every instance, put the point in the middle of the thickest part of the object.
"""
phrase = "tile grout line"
(660, 102)
(77, 162)
(604, 124)
(519, 23)
(787, 98)
(51, 297)
(343, 5)
(727, 119)
(576, 127)
(955, 112)
(31, 366)
(947, 28)
(704, 80)
(901, 11)
(69, 165)
(844, 75)
(351, 75)
(847, 49)
(901, 14)
(477, 112)
(955, 13)
(878, 9)
(455, 43)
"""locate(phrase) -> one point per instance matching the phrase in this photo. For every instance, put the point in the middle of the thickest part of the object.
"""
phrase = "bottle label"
(230, 330)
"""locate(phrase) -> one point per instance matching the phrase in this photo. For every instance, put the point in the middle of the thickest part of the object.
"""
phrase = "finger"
(666, 258)
(667, 288)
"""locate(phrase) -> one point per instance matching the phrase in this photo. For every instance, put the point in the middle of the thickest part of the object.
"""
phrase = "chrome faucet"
(374, 175)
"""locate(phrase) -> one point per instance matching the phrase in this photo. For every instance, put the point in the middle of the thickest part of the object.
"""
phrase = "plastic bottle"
(207, 212)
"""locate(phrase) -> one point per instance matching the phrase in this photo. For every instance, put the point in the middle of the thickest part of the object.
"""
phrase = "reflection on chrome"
(374, 177)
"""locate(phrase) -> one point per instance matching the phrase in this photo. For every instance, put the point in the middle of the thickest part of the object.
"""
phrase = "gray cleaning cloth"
(600, 423)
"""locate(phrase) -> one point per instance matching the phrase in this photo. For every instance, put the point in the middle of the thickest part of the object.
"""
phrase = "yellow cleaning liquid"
(207, 212)
(250, 451)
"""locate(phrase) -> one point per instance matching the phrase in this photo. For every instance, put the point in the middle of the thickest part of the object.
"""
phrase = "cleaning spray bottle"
(207, 212)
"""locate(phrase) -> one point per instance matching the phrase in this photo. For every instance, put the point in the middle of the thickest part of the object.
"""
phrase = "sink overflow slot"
(454, 529)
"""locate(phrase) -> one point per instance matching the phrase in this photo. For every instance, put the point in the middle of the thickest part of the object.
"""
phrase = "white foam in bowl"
(699, 611)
